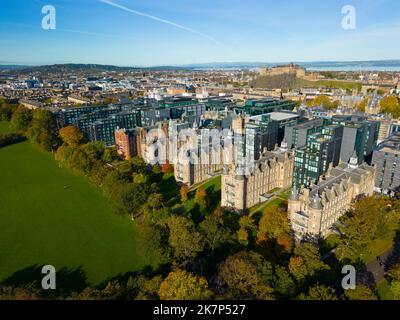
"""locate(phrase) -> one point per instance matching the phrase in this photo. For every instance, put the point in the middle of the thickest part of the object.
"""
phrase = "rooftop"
(276, 116)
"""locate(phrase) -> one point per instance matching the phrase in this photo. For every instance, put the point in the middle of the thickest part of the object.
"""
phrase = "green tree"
(148, 288)
(21, 119)
(128, 198)
(184, 239)
(245, 275)
(98, 173)
(365, 223)
(63, 155)
(361, 292)
(138, 165)
(393, 276)
(43, 130)
(183, 285)
(153, 242)
(6, 110)
(306, 262)
(247, 231)
(283, 283)
(214, 231)
(319, 292)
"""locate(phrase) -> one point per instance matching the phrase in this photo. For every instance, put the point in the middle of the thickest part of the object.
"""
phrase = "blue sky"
(173, 32)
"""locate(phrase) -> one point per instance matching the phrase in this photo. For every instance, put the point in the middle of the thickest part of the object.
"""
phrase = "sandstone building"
(313, 211)
(243, 187)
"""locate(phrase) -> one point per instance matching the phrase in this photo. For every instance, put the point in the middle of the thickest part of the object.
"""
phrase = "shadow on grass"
(67, 280)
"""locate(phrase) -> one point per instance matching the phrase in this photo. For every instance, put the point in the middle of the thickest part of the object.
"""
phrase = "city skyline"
(137, 33)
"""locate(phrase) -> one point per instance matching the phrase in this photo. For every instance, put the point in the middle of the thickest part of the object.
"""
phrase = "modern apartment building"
(242, 189)
(263, 106)
(313, 160)
(104, 129)
(296, 135)
(386, 159)
(313, 211)
(359, 134)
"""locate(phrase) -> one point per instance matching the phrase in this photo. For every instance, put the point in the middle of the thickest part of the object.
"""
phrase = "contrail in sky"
(171, 23)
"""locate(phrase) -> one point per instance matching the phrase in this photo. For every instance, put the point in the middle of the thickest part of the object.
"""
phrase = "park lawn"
(376, 248)
(50, 215)
(383, 290)
(327, 83)
(5, 127)
(257, 211)
(213, 189)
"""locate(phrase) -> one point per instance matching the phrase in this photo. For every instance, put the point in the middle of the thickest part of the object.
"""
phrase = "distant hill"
(11, 67)
(71, 67)
(290, 81)
(284, 81)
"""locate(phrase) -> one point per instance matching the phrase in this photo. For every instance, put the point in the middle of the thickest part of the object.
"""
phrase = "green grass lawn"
(376, 248)
(5, 127)
(384, 291)
(213, 189)
(52, 216)
(257, 211)
(327, 83)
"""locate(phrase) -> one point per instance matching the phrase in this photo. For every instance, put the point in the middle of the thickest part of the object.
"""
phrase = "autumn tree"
(273, 223)
(71, 136)
(362, 105)
(200, 198)
(183, 238)
(245, 275)
(167, 168)
(323, 101)
(184, 193)
(183, 285)
(390, 105)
